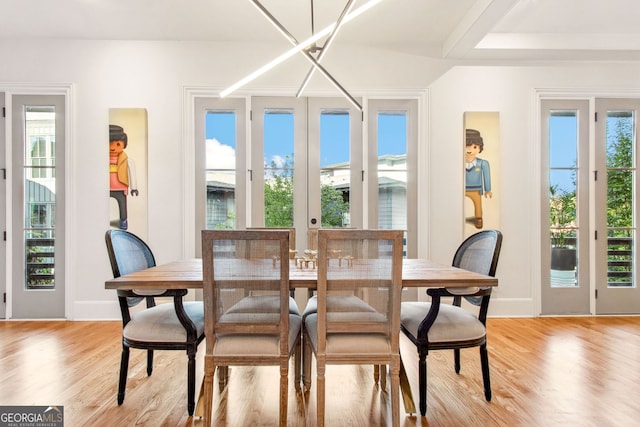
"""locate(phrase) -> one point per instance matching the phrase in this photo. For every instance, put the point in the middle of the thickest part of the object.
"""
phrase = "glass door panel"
(392, 170)
(563, 220)
(278, 164)
(220, 169)
(620, 198)
(38, 207)
(392, 161)
(334, 165)
(220, 165)
(335, 168)
(278, 167)
(4, 267)
(617, 206)
(565, 207)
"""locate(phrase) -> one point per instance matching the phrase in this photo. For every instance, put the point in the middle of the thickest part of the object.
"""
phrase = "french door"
(37, 229)
(3, 209)
(589, 214)
(304, 163)
(617, 198)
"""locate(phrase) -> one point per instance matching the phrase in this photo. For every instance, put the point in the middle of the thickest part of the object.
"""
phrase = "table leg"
(405, 389)
(199, 412)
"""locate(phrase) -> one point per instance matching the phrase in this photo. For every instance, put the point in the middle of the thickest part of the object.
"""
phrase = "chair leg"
(376, 374)
(191, 381)
(456, 360)
(297, 365)
(383, 377)
(209, 369)
(223, 377)
(284, 392)
(394, 373)
(484, 360)
(422, 381)
(306, 365)
(149, 362)
(320, 398)
(124, 368)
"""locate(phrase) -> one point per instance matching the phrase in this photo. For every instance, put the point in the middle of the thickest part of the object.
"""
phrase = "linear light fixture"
(326, 45)
(315, 63)
(299, 47)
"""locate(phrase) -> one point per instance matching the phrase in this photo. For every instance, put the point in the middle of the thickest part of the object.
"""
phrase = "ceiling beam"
(481, 18)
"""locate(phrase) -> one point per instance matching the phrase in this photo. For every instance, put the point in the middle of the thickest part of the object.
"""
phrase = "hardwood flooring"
(581, 371)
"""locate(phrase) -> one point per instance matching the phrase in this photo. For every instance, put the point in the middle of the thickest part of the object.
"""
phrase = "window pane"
(621, 174)
(40, 198)
(278, 168)
(392, 170)
(563, 219)
(220, 169)
(335, 171)
(563, 139)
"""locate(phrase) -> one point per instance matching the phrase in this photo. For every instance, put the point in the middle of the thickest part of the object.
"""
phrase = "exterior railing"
(40, 263)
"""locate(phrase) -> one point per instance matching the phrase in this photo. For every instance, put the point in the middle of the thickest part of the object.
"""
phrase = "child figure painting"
(122, 172)
(481, 135)
(127, 177)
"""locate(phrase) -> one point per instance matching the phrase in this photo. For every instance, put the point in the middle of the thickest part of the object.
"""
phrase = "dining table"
(418, 272)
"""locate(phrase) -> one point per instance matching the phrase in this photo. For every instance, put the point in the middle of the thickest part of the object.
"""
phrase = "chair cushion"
(347, 343)
(347, 303)
(262, 304)
(256, 345)
(161, 324)
(453, 323)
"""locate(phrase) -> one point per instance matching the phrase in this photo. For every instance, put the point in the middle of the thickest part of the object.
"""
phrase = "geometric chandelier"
(307, 48)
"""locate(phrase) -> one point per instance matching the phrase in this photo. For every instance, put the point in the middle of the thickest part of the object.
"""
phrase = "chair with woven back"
(343, 251)
(248, 318)
(178, 325)
(436, 326)
(339, 332)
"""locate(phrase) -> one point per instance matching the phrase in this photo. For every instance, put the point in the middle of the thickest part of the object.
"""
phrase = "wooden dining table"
(187, 274)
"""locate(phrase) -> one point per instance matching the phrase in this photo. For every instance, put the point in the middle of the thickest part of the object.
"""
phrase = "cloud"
(220, 156)
(279, 161)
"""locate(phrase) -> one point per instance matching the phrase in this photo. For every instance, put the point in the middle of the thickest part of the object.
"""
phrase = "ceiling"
(513, 30)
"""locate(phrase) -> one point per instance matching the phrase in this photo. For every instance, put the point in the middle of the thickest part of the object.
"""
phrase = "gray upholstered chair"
(436, 326)
(248, 316)
(338, 333)
(169, 326)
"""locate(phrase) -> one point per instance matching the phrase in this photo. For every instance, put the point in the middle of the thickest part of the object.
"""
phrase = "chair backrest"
(371, 271)
(292, 234)
(479, 253)
(127, 252)
(246, 283)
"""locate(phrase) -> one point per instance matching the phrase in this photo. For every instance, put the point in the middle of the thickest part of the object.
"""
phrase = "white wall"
(512, 91)
(153, 75)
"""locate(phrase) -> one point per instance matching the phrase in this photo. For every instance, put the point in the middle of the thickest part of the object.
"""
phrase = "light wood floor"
(544, 372)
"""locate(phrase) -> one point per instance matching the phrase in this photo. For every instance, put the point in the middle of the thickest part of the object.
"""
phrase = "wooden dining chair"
(248, 320)
(338, 334)
(177, 325)
(436, 326)
(343, 252)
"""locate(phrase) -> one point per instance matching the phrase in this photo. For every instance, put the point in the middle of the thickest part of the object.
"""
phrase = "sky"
(278, 138)
(563, 137)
